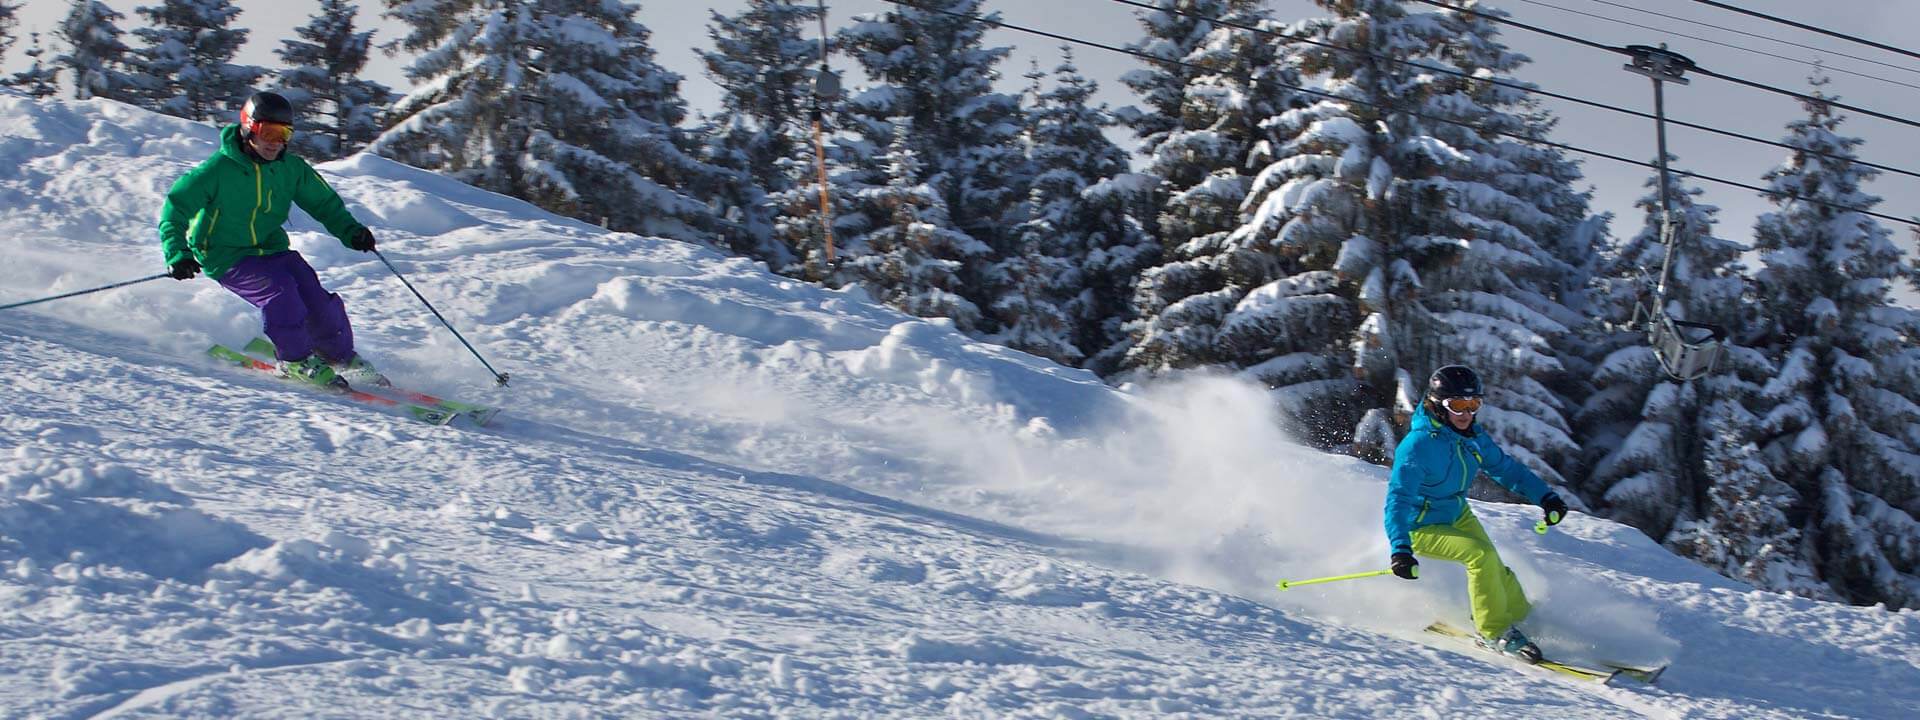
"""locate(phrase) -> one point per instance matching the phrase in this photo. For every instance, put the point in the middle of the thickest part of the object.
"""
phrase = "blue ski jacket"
(1432, 469)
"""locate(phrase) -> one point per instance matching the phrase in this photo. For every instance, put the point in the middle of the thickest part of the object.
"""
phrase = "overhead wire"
(1811, 28)
(1803, 97)
(1522, 87)
(1758, 36)
(1409, 113)
(1711, 41)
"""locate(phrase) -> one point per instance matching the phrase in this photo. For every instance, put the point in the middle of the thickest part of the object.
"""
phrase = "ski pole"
(84, 292)
(1286, 584)
(498, 377)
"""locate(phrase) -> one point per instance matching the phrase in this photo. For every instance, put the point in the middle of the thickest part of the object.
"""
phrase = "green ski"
(478, 414)
(423, 413)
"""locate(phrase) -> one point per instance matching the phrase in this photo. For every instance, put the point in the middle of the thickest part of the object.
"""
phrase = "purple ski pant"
(299, 315)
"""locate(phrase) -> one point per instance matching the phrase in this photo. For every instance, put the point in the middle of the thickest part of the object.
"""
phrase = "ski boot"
(358, 371)
(313, 371)
(1514, 644)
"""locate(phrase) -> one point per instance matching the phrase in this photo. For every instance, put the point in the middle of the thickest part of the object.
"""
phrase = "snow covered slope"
(717, 492)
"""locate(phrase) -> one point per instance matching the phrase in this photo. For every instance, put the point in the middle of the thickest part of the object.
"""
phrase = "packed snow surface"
(719, 492)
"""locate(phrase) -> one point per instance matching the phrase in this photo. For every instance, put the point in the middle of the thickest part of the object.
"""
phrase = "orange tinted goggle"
(1461, 405)
(271, 131)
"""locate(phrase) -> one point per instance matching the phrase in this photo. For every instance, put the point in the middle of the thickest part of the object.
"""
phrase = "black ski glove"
(185, 269)
(1405, 566)
(1555, 508)
(362, 241)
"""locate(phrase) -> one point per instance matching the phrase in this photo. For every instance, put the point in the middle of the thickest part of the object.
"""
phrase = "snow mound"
(80, 519)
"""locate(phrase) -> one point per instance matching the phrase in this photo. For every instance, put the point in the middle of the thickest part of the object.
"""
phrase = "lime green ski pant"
(1498, 601)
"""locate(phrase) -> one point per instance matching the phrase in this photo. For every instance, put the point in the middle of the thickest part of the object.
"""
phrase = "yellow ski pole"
(1287, 584)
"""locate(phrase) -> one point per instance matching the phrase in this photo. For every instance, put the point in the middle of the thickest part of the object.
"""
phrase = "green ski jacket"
(233, 206)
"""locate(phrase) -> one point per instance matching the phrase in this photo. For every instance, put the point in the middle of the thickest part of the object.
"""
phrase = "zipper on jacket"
(252, 222)
(1466, 480)
(204, 230)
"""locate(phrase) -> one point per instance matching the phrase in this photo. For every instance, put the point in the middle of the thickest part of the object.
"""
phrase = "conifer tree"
(1388, 233)
(1078, 219)
(1174, 31)
(186, 69)
(1839, 418)
(1200, 130)
(1743, 531)
(41, 80)
(1118, 213)
(558, 102)
(96, 59)
(764, 67)
(931, 67)
(8, 21)
(1029, 313)
(339, 112)
(1038, 277)
(1536, 194)
(912, 259)
(1644, 432)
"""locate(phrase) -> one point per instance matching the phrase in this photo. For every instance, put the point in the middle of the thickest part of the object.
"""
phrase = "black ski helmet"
(264, 107)
(1454, 381)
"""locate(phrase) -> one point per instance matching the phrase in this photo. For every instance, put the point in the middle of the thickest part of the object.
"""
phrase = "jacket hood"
(1422, 420)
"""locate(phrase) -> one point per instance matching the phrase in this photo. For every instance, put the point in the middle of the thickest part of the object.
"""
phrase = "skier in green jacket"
(224, 217)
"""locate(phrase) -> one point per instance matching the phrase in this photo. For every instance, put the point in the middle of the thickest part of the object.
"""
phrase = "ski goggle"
(1461, 405)
(263, 131)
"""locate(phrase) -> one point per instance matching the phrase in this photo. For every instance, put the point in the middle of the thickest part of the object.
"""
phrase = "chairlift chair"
(1686, 350)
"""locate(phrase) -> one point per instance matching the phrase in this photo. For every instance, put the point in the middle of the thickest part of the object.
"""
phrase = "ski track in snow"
(717, 492)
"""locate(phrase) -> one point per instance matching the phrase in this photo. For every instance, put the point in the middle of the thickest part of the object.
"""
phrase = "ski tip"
(1644, 676)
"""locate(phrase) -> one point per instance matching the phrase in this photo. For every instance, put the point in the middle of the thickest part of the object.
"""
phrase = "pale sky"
(679, 27)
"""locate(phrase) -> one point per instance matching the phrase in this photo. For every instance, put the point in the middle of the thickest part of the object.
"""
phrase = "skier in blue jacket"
(1427, 512)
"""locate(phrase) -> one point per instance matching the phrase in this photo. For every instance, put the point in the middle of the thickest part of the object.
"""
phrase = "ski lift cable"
(1737, 31)
(1777, 56)
(1915, 222)
(1811, 28)
(1527, 88)
(1803, 97)
(1530, 28)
